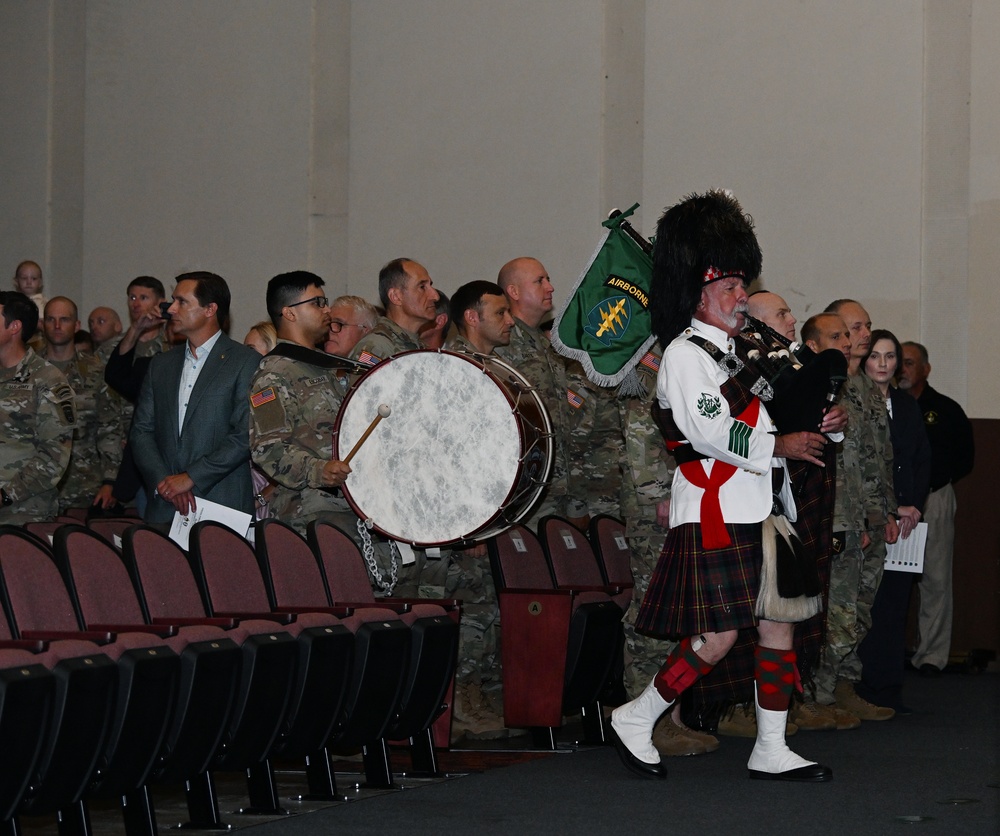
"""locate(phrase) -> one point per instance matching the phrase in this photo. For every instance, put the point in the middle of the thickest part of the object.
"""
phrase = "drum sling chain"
(368, 551)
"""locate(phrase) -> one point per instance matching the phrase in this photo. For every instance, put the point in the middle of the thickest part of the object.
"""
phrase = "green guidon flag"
(605, 322)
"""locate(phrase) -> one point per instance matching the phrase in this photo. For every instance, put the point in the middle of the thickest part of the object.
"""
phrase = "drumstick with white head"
(383, 412)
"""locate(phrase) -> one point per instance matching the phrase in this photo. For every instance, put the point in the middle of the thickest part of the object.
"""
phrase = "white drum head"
(444, 461)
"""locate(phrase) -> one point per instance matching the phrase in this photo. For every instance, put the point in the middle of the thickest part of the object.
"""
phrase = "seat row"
(150, 664)
(562, 598)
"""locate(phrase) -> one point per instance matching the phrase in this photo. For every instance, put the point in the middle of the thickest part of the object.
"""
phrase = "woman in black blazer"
(882, 651)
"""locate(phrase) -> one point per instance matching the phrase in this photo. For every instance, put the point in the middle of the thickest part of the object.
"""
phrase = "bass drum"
(463, 455)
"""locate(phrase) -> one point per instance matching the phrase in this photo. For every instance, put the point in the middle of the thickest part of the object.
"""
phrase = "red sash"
(713, 526)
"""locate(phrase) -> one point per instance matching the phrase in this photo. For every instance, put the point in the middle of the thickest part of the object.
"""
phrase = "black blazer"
(911, 451)
(213, 445)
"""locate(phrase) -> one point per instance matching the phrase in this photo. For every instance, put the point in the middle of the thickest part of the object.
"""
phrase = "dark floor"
(933, 772)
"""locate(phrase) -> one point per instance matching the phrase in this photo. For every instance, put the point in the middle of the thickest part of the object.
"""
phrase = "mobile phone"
(165, 309)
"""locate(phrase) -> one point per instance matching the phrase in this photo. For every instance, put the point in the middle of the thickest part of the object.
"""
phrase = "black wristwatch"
(5, 498)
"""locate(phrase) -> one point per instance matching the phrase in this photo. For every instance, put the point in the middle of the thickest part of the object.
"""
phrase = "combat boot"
(848, 700)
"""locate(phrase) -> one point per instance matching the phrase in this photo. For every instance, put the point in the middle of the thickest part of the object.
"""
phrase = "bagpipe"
(803, 385)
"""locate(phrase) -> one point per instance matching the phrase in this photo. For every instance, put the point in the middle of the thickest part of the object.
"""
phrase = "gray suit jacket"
(213, 445)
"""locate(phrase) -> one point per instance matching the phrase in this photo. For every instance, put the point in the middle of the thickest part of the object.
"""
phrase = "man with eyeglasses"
(351, 317)
(294, 400)
(409, 298)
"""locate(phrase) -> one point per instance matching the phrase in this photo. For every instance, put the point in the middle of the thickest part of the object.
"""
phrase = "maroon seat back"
(570, 555)
(342, 562)
(166, 584)
(111, 529)
(35, 594)
(44, 530)
(104, 590)
(229, 570)
(291, 566)
(607, 537)
(518, 560)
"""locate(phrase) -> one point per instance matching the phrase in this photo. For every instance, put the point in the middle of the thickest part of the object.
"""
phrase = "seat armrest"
(32, 646)
(339, 610)
(393, 604)
(199, 621)
(94, 636)
(164, 631)
(536, 591)
(445, 603)
(279, 617)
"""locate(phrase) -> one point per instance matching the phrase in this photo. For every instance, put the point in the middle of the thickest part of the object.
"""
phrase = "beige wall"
(255, 136)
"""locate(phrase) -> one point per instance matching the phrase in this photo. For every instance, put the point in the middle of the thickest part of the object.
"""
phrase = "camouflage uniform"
(646, 479)
(594, 457)
(383, 341)
(532, 355)
(470, 580)
(98, 435)
(37, 416)
(864, 499)
(293, 410)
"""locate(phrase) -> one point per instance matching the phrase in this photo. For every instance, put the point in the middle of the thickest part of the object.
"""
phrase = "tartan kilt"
(694, 590)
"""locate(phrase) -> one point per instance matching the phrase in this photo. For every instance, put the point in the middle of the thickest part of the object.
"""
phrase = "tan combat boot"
(848, 700)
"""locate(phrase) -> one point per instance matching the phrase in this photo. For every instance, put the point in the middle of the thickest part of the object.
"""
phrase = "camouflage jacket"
(532, 355)
(384, 340)
(594, 455)
(293, 412)
(648, 468)
(864, 493)
(38, 419)
(99, 433)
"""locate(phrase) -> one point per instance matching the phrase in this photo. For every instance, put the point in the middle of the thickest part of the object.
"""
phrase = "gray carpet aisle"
(934, 772)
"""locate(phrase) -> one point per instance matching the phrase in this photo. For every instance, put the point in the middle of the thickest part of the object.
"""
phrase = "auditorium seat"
(614, 558)
(44, 530)
(111, 528)
(434, 628)
(382, 646)
(226, 567)
(94, 712)
(534, 634)
(600, 638)
(169, 593)
(607, 538)
(105, 598)
(27, 692)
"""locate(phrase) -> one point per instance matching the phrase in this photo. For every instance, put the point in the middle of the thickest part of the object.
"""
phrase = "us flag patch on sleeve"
(650, 361)
(574, 399)
(262, 397)
(369, 359)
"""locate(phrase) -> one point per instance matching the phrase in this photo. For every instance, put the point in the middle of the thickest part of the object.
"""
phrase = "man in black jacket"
(952, 453)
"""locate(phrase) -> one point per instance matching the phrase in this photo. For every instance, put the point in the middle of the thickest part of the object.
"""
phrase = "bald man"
(528, 288)
(104, 324)
(774, 311)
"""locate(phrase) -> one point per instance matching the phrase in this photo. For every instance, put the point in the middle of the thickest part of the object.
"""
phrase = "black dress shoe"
(930, 671)
(632, 763)
(814, 772)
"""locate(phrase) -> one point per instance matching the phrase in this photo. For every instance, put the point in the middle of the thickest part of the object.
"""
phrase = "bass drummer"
(294, 399)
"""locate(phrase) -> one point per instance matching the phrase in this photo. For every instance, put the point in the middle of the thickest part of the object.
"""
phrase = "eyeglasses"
(318, 301)
(336, 326)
